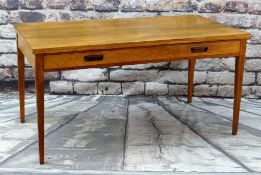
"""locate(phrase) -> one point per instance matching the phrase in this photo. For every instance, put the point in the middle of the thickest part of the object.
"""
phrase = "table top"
(53, 37)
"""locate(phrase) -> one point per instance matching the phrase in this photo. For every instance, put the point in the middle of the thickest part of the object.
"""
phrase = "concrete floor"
(130, 135)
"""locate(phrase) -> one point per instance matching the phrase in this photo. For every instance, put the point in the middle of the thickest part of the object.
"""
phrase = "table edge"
(127, 45)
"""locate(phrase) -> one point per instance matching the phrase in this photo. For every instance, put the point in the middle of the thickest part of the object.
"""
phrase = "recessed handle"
(199, 49)
(93, 58)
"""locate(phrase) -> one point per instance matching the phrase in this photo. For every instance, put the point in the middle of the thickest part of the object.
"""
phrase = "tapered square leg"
(20, 65)
(39, 86)
(239, 71)
(191, 69)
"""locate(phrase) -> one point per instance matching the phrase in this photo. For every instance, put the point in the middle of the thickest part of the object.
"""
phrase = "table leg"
(239, 71)
(39, 86)
(191, 69)
(20, 65)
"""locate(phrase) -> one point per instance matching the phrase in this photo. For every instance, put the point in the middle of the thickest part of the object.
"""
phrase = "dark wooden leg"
(239, 71)
(39, 86)
(191, 69)
(20, 65)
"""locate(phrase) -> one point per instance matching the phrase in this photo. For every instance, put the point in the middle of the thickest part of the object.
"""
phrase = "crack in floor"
(125, 135)
(159, 132)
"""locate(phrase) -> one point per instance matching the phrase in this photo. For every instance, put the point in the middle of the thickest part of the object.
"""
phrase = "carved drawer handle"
(199, 49)
(93, 58)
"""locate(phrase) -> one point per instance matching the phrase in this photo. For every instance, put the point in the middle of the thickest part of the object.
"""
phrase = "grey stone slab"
(13, 113)
(11, 147)
(52, 117)
(85, 135)
(78, 105)
(74, 129)
(245, 106)
(98, 159)
(246, 118)
(15, 138)
(13, 124)
(251, 155)
(86, 141)
(180, 105)
(9, 96)
(26, 134)
(162, 143)
(178, 159)
(219, 135)
(29, 98)
(58, 113)
(13, 102)
(184, 139)
(111, 108)
(253, 101)
(17, 132)
(81, 143)
(147, 129)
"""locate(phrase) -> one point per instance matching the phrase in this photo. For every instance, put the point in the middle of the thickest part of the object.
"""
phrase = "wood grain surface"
(52, 37)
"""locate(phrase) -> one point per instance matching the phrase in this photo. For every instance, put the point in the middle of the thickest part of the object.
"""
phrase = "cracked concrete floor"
(130, 135)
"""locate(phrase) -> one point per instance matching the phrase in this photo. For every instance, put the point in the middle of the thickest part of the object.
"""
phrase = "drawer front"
(141, 55)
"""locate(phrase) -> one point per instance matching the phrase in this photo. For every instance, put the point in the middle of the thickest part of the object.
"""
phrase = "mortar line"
(205, 139)
(51, 131)
(125, 135)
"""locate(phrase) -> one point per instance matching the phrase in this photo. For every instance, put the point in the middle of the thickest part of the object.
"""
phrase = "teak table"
(55, 46)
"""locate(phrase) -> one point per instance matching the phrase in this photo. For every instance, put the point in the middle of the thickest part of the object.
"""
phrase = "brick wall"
(213, 77)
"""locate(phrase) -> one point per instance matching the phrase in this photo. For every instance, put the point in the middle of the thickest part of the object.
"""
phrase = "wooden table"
(104, 43)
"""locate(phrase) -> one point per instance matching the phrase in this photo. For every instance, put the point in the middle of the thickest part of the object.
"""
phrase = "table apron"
(151, 54)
